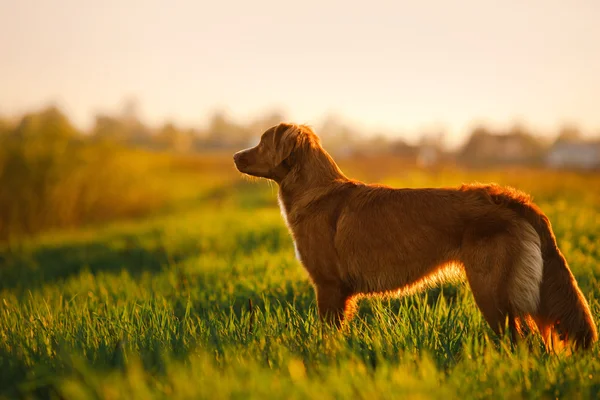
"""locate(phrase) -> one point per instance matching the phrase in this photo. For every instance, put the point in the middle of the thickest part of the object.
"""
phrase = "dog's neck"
(307, 178)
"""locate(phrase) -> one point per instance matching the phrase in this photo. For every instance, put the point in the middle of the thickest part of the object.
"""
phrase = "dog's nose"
(237, 159)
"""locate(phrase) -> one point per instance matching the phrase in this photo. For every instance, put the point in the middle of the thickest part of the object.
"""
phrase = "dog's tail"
(563, 314)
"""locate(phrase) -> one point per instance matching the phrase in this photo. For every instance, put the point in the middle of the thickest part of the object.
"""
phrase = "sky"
(393, 66)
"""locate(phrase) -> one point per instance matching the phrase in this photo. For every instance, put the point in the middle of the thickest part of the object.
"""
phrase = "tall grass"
(208, 301)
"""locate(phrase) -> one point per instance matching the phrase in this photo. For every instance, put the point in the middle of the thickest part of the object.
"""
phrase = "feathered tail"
(563, 314)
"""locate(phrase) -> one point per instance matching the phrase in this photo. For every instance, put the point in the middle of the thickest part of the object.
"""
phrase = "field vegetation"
(131, 274)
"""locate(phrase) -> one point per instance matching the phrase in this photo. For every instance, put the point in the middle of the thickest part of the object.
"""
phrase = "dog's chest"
(285, 218)
(283, 211)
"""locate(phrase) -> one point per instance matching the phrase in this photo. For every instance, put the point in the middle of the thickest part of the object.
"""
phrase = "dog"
(357, 239)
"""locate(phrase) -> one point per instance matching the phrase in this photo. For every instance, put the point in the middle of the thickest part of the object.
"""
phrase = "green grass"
(208, 301)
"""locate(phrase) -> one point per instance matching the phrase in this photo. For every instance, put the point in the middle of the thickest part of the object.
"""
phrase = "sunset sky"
(398, 66)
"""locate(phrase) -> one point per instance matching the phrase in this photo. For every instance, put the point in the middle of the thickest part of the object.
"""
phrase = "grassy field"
(206, 300)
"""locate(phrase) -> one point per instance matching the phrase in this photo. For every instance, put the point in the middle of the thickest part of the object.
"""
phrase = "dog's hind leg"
(487, 264)
(492, 302)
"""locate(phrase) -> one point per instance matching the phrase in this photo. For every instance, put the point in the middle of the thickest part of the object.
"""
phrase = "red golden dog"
(357, 239)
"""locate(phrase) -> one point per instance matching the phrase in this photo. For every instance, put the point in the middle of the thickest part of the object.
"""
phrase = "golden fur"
(356, 239)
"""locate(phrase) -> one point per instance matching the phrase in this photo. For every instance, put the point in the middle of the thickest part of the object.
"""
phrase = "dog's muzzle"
(239, 160)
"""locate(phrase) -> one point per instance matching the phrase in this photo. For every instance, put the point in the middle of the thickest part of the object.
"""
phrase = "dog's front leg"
(335, 303)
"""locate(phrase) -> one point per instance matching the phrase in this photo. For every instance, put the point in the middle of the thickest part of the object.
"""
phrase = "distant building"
(575, 153)
(515, 148)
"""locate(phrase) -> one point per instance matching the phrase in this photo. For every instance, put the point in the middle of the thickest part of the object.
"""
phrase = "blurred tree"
(131, 111)
(5, 126)
(223, 133)
(36, 157)
(125, 128)
(219, 125)
(5, 129)
(49, 124)
(476, 141)
(569, 133)
(171, 138)
(121, 130)
(337, 137)
(266, 121)
(107, 127)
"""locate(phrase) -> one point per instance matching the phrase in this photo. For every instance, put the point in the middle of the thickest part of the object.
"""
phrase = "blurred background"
(121, 109)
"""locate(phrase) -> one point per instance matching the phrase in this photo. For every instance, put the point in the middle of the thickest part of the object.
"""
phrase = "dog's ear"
(286, 140)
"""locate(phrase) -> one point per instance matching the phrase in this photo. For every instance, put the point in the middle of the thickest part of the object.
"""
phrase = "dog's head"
(268, 158)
